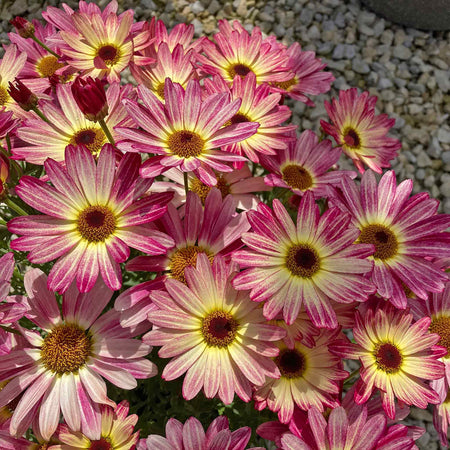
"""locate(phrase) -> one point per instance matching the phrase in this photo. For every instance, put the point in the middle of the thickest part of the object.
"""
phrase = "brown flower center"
(65, 349)
(101, 444)
(48, 65)
(302, 260)
(185, 257)
(291, 362)
(239, 69)
(388, 357)
(351, 138)
(185, 144)
(109, 54)
(219, 329)
(297, 177)
(92, 138)
(386, 245)
(238, 118)
(286, 84)
(202, 190)
(160, 89)
(441, 326)
(96, 223)
(4, 96)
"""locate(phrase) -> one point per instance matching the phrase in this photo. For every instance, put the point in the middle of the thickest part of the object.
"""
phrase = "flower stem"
(186, 183)
(15, 207)
(106, 131)
(353, 374)
(9, 329)
(39, 42)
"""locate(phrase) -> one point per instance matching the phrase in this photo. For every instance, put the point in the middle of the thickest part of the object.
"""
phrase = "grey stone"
(445, 189)
(214, 6)
(18, 7)
(401, 52)
(313, 32)
(423, 160)
(365, 29)
(420, 174)
(279, 30)
(360, 66)
(198, 27)
(338, 52)
(384, 83)
(197, 7)
(435, 149)
(339, 20)
(442, 79)
(446, 158)
(443, 135)
(306, 16)
(266, 17)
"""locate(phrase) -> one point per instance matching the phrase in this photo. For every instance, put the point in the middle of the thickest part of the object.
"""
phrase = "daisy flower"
(185, 130)
(61, 369)
(238, 53)
(191, 435)
(360, 133)
(214, 334)
(288, 265)
(310, 376)
(92, 216)
(441, 418)
(259, 106)
(397, 356)
(69, 126)
(307, 76)
(406, 233)
(116, 432)
(305, 166)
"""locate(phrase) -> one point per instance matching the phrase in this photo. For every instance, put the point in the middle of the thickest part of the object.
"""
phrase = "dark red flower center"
(384, 240)
(291, 363)
(101, 444)
(302, 260)
(441, 326)
(351, 138)
(239, 69)
(219, 329)
(185, 144)
(109, 54)
(297, 177)
(92, 138)
(388, 357)
(96, 223)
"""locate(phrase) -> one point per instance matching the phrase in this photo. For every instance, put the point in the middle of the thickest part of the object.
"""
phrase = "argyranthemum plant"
(61, 368)
(93, 213)
(213, 333)
(288, 265)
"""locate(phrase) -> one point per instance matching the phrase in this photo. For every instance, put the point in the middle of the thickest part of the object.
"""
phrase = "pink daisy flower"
(359, 132)
(288, 265)
(310, 376)
(92, 215)
(305, 166)
(307, 74)
(185, 130)
(116, 432)
(441, 418)
(214, 334)
(61, 369)
(191, 435)
(397, 356)
(406, 233)
(259, 106)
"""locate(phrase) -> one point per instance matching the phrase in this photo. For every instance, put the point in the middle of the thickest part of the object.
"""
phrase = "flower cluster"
(184, 212)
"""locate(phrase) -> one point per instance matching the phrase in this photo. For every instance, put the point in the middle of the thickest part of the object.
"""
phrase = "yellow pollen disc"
(110, 54)
(447, 399)
(238, 118)
(92, 138)
(291, 362)
(4, 96)
(185, 144)
(441, 326)
(219, 329)
(286, 84)
(160, 90)
(351, 139)
(96, 223)
(185, 257)
(386, 245)
(297, 177)
(238, 69)
(388, 357)
(202, 190)
(65, 349)
(302, 260)
(48, 65)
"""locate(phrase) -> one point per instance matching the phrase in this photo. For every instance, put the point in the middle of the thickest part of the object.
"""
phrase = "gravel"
(407, 69)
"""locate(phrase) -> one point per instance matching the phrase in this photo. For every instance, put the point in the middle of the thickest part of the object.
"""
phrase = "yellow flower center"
(96, 223)
(351, 138)
(297, 177)
(238, 118)
(286, 84)
(386, 245)
(185, 144)
(202, 190)
(238, 69)
(441, 326)
(101, 444)
(4, 96)
(291, 362)
(302, 260)
(110, 54)
(185, 257)
(65, 349)
(219, 329)
(48, 65)
(92, 138)
(160, 90)
(388, 357)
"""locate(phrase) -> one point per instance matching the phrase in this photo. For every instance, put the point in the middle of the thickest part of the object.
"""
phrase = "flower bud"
(22, 95)
(23, 27)
(4, 174)
(91, 98)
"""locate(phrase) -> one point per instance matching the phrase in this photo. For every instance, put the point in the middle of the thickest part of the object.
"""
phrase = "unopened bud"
(23, 27)
(22, 95)
(91, 98)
